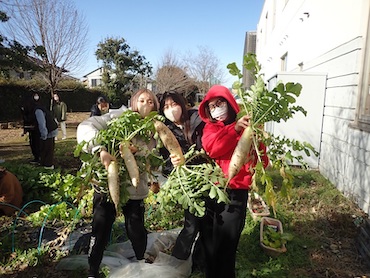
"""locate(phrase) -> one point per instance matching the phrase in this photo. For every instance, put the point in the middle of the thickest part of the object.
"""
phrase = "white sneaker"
(49, 167)
(64, 138)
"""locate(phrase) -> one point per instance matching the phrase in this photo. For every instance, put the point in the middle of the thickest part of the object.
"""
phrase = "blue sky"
(153, 27)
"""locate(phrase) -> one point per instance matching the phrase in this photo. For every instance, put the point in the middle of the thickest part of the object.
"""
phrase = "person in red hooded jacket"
(223, 223)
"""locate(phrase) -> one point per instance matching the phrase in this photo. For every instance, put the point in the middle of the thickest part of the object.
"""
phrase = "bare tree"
(205, 68)
(56, 31)
(171, 75)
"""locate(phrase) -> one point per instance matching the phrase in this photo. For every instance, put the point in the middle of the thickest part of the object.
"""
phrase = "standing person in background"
(223, 223)
(104, 212)
(101, 107)
(48, 128)
(187, 127)
(30, 126)
(60, 114)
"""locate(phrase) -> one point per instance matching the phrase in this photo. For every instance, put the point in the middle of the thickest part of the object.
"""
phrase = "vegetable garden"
(320, 225)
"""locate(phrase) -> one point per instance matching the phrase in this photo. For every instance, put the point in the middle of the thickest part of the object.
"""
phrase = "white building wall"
(327, 37)
(95, 75)
(305, 29)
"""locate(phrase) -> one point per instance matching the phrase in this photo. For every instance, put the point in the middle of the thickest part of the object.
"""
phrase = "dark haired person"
(30, 126)
(223, 223)
(60, 114)
(187, 127)
(48, 128)
(101, 107)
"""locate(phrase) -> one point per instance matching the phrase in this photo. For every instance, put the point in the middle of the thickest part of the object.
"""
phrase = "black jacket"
(95, 111)
(196, 129)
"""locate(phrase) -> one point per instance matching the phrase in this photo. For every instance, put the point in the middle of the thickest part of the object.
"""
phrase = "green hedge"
(12, 96)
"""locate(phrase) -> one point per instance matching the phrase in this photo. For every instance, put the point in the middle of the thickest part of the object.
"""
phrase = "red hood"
(217, 91)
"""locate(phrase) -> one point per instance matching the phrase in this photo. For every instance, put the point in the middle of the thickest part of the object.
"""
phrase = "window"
(367, 96)
(300, 65)
(284, 62)
(94, 83)
(362, 120)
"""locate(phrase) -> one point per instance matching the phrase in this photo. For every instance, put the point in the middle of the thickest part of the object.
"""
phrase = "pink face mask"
(173, 114)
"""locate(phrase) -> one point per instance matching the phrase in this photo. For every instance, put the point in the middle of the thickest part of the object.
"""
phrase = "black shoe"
(34, 162)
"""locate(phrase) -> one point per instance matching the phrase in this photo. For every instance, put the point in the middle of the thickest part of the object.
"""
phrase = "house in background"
(94, 78)
(325, 46)
(249, 47)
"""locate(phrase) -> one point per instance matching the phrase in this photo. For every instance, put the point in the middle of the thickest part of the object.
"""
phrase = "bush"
(77, 98)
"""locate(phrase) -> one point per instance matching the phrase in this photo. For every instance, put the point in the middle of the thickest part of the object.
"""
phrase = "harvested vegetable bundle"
(263, 106)
(126, 169)
(107, 181)
(188, 185)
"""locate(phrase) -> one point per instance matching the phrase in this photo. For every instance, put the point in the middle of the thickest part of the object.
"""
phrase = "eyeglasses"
(218, 103)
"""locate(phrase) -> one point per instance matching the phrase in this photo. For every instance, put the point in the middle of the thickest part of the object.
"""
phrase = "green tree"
(121, 67)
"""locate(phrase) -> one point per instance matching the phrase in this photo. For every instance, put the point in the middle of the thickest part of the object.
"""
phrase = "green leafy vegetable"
(263, 105)
(188, 184)
(274, 238)
(128, 126)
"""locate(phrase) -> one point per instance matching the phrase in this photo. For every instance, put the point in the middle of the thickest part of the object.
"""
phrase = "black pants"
(220, 233)
(185, 239)
(34, 137)
(134, 222)
(104, 215)
(47, 151)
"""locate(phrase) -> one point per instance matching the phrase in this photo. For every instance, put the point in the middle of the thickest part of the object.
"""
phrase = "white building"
(325, 46)
(94, 78)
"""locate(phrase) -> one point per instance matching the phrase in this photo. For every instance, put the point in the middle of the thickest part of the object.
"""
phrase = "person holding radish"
(223, 223)
(187, 127)
(104, 211)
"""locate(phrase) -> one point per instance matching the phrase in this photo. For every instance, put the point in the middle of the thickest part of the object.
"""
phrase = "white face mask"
(220, 113)
(36, 97)
(173, 114)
